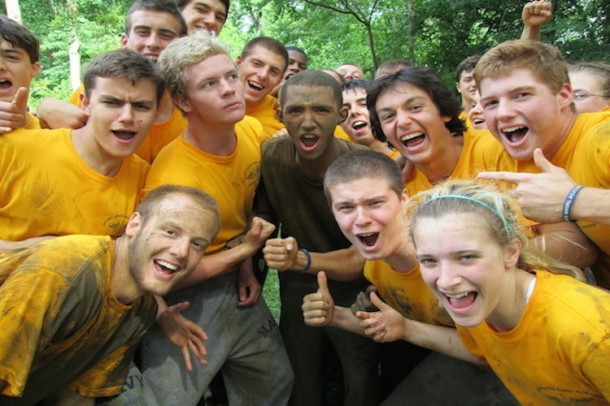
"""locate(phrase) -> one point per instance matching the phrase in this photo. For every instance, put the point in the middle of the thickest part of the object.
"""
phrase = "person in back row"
(19, 59)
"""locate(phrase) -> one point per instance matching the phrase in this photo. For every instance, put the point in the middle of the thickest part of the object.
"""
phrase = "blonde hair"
(543, 60)
(184, 52)
(494, 207)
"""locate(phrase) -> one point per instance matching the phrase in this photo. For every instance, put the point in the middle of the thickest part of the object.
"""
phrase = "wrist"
(568, 203)
(304, 260)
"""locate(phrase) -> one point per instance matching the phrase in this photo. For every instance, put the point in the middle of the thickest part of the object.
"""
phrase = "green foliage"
(331, 31)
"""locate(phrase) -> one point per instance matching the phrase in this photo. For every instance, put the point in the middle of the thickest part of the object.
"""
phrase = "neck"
(439, 169)
(214, 139)
(511, 305)
(565, 126)
(315, 169)
(403, 259)
(122, 283)
(89, 150)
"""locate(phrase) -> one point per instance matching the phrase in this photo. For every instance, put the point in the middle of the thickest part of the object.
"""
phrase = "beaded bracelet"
(569, 202)
(308, 258)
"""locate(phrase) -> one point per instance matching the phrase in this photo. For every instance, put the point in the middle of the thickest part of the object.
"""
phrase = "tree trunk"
(13, 11)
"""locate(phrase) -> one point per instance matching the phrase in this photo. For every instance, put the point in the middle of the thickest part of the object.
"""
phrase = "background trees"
(436, 33)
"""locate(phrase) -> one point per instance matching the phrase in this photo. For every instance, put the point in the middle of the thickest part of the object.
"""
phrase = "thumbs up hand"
(383, 326)
(318, 308)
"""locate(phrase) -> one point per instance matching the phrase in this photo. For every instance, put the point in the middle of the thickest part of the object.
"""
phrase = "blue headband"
(480, 203)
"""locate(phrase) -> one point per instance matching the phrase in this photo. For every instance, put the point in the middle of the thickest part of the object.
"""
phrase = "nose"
(447, 276)
(209, 20)
(179, 248)
(153, 40)
(225, 88)
(362, 217)
(308, 122)
(403, 119)
(505, 110)
(127, 113)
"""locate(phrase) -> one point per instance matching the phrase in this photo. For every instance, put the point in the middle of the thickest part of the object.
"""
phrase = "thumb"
(542, 163)
(21, 99)
(290, 244)
(323, 283)
(180, 307)
(376, 300)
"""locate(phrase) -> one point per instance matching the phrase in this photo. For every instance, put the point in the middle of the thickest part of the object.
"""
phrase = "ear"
(123, 40)
(446, 119)
(565, 96)
(133, 225)
(85, 102)
(512, 253)
(238, 60)
(35, 70)
(183, 104)
(342, 114)
(404, 196)
(279, 114)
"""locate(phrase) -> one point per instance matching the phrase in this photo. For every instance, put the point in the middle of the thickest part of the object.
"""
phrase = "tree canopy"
(434, 33)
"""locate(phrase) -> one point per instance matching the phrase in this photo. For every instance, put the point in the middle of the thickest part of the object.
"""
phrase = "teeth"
(411, 136)
(366, 235)
(167, 265)
(512, 129)
(457, 295)
(256, 85)
(359, 124)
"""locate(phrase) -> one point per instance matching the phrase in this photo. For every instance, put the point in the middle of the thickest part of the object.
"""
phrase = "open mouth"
(514, 134)
(369, 239)
(165, 267)
(359, 125)
(461, 300)
(124, 135)
(309, 141)
(5, 84)
(256, 86)
(413, 140)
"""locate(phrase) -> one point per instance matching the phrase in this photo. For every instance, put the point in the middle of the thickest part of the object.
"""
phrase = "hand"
(363, 301)
(540, 195)
(280, 133)
(537, 13)
(14, 114)
(55, 113)
(383, 326)
(187, 335)
(258, 233)
(281, 253)
(248, 287)
(319, 307)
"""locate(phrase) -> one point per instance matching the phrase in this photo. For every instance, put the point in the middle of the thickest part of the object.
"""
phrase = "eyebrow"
(407, 101)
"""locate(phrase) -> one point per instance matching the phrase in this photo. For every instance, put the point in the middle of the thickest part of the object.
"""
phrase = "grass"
(271, 293)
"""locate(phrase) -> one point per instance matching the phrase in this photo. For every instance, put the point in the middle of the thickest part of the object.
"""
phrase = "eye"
(233, 77)
(427, 262)
(387, 117)
(416, 108)
(345, 208)
(198, 245)
(112, 102)
(169, 36)
(489, 104)
(169, 232)
(208, 84)
(522, 95)
(580, 96)
(468, 257)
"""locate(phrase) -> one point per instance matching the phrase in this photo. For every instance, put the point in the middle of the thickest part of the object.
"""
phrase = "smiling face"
(214, 91)
(16, 70)
(310, 114)
(151, 32)
(297, 62)
(475, 115)
(412, 123)
(207, 15)
(466, 86)
(120, 115)
(366, 211)
(357, 124)
(260, 71)
(465, 267)
(165, 248)
(524, 114)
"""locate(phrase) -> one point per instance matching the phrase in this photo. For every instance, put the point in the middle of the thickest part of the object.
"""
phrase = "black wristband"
(308, 257)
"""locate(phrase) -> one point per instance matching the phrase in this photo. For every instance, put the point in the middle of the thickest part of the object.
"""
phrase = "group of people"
(417, 238)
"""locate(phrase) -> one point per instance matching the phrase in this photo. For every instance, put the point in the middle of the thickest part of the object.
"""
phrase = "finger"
(180, 307)
(21, 99)
(380, 304)
(197, 348)
(187, 358)
(323, 284)
(542, 163)
(513, 177)
(256, 226)
(290, 243)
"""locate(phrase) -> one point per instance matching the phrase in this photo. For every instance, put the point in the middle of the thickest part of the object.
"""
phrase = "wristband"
(569, 202)
(308, 258)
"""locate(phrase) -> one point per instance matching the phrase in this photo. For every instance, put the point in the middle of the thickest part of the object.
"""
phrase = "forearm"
(344, 318)
(438, 338)
(592, 205)
(17, 245)
(567, 243)
(343, 265)
(532, 33)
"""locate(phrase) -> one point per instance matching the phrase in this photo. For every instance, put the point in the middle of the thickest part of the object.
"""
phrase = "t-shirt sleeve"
(30, 301)
(596, 368)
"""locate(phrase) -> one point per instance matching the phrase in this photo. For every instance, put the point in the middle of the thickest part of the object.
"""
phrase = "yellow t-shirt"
(585, 155)
(160, 135)
(265, 113)
(231, 180)
(559, 352)
(407, 293)
(47, 189)
(61, 324)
